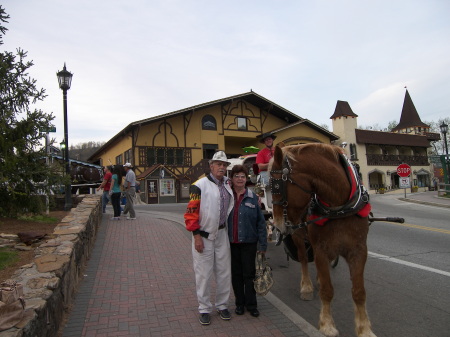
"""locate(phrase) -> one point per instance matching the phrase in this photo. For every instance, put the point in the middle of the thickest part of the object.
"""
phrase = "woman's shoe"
(254, 312)
(239, 310)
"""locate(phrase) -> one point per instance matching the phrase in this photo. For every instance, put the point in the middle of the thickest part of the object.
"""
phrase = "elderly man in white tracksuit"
(211, 201)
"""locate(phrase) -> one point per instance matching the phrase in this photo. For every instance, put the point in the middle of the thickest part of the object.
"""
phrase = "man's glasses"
(239, 176)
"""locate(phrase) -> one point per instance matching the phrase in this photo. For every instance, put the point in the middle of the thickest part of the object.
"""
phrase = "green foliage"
(82, 151)
(391, 125)
(7, 257)
(439, 146)
(23, 172)
(39, 218)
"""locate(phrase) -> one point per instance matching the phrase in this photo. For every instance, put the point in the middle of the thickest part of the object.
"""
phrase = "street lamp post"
(65, 79)
(444, 130)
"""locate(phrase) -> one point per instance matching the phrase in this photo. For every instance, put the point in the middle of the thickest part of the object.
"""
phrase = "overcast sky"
(140, 58)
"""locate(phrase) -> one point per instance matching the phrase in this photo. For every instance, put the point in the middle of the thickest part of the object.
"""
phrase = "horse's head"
(289, 199)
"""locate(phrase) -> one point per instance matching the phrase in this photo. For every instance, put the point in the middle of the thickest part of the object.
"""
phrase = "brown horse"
(299, 175)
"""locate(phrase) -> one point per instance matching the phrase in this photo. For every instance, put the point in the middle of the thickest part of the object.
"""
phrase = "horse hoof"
(329, 331)
(367, 334)
(307, 296)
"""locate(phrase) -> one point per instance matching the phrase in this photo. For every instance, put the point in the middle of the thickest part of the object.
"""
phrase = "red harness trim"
(363, 212)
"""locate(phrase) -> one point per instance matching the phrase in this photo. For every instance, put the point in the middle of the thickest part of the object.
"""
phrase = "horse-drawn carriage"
(321, 211)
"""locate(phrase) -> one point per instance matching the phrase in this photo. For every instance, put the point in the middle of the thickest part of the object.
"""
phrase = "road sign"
(404, 182)
(49, 129)
(403, 170)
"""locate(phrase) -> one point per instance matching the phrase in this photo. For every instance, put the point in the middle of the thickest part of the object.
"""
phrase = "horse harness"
(318, 211)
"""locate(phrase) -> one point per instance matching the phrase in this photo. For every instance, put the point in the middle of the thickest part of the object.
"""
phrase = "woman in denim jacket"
(246, 228)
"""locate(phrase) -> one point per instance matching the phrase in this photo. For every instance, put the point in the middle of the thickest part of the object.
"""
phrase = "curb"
(424, 202)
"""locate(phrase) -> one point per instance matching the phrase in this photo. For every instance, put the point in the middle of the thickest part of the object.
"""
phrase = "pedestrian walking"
(115, 191)
(130, 191)
(105, 185)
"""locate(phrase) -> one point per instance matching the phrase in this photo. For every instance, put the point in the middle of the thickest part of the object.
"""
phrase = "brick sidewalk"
(140, 282)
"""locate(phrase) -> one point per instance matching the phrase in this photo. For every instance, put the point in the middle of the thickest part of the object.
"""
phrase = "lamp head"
(444, 128)
(64, 78)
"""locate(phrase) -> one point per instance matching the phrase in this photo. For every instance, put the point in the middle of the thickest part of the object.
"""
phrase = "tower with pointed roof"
(344, 122)
(378, 153)
(410, 121)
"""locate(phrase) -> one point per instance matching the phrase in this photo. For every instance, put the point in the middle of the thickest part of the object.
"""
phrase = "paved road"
(407, 273)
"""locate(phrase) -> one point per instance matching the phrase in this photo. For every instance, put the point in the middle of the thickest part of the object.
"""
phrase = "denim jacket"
(251, 222)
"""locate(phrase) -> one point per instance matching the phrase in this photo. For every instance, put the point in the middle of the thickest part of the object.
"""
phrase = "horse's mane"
(293, 151)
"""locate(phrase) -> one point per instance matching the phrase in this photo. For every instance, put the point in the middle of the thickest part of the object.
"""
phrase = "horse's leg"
(306, 286)
(269, 231)
(356, 262)
(326, 292)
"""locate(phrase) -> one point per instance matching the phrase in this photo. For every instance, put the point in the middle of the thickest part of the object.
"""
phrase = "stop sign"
(403, 170)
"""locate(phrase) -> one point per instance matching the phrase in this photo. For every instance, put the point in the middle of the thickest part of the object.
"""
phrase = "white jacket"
(207, 191)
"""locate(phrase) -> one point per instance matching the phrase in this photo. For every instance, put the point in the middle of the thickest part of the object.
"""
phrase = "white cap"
(220, 156)
(127, 165)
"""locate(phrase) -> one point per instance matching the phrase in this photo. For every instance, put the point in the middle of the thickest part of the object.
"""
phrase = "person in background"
(211, 201)
(130, 191)
(246, 229)
(115, 191)
(263, 157)
(105, 185)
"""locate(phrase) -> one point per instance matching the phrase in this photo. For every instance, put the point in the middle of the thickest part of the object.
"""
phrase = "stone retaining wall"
(50, 282)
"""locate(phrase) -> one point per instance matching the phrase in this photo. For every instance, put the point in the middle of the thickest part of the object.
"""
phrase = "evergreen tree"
(23, 173)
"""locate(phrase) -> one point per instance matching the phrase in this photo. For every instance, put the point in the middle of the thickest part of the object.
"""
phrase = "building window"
(127, 156)
(209, 123)
(167, 156)
(242, 123)
(353, 154)
(119, 160)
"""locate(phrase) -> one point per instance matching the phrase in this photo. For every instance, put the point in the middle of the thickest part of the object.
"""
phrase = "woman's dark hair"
(239, 169)
(117, 169)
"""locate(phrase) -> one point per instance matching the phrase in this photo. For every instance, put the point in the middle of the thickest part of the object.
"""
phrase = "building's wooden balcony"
(395, 160)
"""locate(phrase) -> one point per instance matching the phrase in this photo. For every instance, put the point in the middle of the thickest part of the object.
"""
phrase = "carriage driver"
(211, 201)
(263, 157)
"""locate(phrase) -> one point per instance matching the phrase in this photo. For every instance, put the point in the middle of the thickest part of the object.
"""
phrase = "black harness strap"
(352, 206)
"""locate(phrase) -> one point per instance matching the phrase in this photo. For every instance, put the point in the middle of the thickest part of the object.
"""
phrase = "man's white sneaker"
(129, 218)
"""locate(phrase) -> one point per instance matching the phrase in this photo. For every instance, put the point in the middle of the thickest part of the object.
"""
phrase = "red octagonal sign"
(403, 170)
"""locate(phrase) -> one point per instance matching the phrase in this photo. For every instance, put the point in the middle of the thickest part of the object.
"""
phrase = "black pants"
(243, 273)
(115, 201)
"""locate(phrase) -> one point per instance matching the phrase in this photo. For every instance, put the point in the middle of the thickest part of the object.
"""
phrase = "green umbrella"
(250, 149)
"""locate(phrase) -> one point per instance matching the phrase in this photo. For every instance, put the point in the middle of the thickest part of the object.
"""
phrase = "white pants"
(215, 258)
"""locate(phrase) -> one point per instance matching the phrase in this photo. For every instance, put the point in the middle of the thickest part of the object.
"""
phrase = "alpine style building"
(170, 151)
(378, 153)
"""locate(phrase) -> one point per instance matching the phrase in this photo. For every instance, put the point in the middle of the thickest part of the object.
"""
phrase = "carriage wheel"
(334, 263)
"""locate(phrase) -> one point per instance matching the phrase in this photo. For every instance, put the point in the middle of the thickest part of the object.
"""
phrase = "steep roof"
(251, 97)
(310, 124)
(343, 109)
(390, 138)
(409, 118)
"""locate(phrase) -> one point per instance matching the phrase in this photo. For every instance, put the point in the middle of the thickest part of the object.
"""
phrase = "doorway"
(152, 191)
(209, 150)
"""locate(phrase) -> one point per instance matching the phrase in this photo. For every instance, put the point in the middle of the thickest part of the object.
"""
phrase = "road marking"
(440, 230)
(305, 326)
(409, 264)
